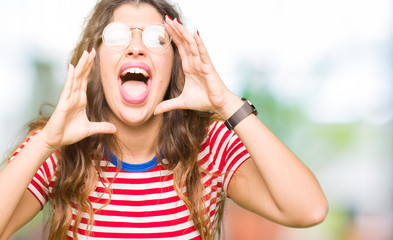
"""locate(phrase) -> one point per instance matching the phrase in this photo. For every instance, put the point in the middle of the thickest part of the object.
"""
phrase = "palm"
(69, 123)
(201, 91)
(204, 89)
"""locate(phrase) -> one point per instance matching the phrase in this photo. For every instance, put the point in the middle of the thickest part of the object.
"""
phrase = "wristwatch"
(246, 109)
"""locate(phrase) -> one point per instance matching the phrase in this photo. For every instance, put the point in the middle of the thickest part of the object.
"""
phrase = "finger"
(101, 127)
(67, 89)
(181, 37)
(89, 66)
(183, 52)
(81, 63)
(202, 48)
(182, 46)
(80, 69)
(172, 31)
(85, 64)
(186, 37)
(169, 105)
(89, 63)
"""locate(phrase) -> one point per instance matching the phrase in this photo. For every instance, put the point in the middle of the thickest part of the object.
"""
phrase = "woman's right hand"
(69, 123)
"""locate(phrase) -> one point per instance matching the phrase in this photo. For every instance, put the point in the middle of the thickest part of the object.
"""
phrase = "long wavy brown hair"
(78, 170)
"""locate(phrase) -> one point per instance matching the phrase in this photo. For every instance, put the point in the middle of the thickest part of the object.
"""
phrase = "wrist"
(241, 113)
(47, 149)
(230, 106)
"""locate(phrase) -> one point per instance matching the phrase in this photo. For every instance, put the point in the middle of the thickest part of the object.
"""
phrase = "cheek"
(167, 65)
(107, 68)
(166, 76)
(108, 81)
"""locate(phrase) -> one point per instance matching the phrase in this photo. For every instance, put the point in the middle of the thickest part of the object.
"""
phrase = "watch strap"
(246, 109)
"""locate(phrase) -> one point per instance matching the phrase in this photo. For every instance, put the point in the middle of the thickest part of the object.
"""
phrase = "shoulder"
(21, 145)
(217, 127)
(216, 141)
(222, 150)
(217, 134)
(49, 165)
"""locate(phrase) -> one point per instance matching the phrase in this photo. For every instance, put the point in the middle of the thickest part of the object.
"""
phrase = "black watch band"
(246, 109)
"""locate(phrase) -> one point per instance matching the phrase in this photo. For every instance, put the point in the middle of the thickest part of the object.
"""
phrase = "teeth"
(135, 70)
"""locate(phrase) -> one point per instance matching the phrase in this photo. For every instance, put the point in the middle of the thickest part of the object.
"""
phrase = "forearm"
(293, 189)
(17, 174)
(292, 185)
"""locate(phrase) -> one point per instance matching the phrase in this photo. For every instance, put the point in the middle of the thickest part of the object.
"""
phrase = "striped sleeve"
(230, 153)
(42, 180)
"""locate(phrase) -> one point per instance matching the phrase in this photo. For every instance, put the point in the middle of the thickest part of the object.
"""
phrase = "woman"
(133, 150)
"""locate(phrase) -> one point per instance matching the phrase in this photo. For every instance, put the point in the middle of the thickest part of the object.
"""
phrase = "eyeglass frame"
(138, 28)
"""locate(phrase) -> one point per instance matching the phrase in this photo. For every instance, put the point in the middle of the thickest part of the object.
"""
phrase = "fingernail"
(91, 50)
(177, 20)
(169, 17)
(198, 32)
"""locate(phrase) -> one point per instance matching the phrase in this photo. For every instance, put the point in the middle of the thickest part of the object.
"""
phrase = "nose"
(136, 47)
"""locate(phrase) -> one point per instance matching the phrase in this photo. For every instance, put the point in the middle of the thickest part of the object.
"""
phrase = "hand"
(203, 90)
(69, 123)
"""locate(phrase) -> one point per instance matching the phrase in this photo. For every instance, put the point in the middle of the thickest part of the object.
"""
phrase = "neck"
(138, 143)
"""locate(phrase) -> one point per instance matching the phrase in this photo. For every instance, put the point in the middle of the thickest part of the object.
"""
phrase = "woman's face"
(132, 99)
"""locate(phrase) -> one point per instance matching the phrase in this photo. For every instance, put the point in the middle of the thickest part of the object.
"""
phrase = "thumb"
(102, 127)
(169, 105)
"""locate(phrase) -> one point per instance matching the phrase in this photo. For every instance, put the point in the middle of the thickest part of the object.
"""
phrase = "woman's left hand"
(203, 90)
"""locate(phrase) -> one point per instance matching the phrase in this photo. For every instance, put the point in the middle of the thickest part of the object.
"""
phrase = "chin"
(137, 119)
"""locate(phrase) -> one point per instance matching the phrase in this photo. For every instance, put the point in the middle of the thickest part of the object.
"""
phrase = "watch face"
(254, 110)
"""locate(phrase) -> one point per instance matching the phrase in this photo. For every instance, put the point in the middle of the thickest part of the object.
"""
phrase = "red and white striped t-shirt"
(144, 203)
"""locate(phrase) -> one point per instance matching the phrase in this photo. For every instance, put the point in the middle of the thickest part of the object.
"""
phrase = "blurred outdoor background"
(320, 72)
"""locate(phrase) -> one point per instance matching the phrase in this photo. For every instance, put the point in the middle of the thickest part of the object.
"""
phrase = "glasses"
(117, 37)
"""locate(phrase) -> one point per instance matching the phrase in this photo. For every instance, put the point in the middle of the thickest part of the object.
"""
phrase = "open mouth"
(135, 82)
(134, 74)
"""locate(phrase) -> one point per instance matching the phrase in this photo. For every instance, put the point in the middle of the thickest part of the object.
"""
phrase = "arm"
(68, 124)
(26, 209)
(274, 183)
(16, 176)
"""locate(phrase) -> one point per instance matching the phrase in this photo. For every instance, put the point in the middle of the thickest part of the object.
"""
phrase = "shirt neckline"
(129, 167)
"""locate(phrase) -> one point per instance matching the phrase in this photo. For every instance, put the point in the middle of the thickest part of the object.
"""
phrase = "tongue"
(134, 88)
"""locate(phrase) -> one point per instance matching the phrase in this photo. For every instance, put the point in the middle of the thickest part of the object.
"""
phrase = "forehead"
(134, 15)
